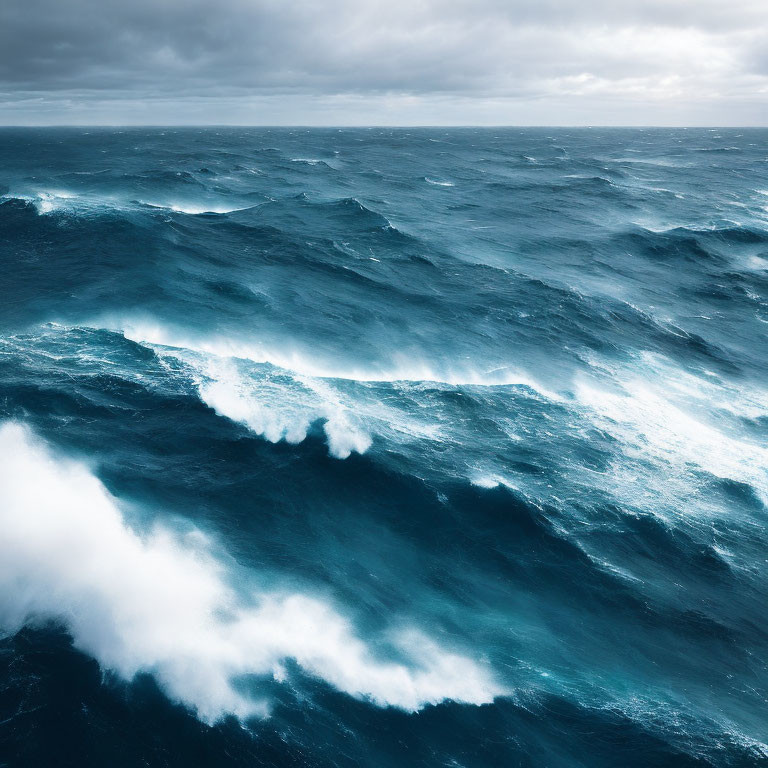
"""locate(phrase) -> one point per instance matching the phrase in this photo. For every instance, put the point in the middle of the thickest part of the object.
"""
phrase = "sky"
(369, 62)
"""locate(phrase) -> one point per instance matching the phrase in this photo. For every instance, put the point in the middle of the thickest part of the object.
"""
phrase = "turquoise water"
(383, 447)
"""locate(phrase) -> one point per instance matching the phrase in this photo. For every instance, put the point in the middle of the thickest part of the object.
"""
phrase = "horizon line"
(342, 126)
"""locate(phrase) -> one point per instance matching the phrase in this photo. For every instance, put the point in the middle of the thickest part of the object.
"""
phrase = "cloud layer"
(492, 60)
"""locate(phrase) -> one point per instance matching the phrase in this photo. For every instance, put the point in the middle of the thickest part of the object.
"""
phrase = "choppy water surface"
(383, 447)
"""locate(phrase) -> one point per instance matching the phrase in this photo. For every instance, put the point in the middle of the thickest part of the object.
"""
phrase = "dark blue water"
(383, 447)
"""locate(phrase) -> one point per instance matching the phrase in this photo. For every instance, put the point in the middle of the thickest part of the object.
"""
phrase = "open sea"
(383, 447)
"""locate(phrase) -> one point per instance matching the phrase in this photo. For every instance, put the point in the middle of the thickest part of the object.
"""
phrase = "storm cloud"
(420, 61)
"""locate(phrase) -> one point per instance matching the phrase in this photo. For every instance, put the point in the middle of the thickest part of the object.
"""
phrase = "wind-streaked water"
(383, 447)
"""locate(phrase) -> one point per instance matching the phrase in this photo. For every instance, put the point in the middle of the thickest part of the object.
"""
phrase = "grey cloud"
(175, 50)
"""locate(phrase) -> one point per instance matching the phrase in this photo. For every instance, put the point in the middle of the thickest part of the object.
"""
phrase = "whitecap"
(195, 209)
(401, 367)
(53, 201)
(664, 415)
(46, 202)
(280, 410)
(160, 602)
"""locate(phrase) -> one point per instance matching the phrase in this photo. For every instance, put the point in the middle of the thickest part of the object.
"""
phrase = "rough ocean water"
(378, 447)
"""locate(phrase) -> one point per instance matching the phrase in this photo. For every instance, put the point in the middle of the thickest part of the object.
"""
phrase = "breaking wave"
(160, 602)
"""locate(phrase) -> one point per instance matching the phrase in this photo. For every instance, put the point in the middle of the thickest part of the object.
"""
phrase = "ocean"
(383, 447)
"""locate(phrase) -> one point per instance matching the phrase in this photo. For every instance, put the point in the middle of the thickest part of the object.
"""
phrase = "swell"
(495, 534)
(523, 416)
(264, 246)
(525, 547)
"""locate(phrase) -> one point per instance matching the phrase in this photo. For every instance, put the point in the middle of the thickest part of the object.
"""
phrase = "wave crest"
(161, 603)
(286, 415)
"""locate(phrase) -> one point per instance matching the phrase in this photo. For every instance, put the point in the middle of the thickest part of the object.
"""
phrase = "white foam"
(46, 202)
(51, 201)
(195, 209)
(662, 414)
(282, 410)
(439, 183)
(400, 367)
(489, 481)
(282, 406)
(343, 433)
(758, 262)
(161, 603)
(227, 393)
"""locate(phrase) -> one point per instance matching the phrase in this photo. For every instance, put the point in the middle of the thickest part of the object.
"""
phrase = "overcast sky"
(402, 62)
